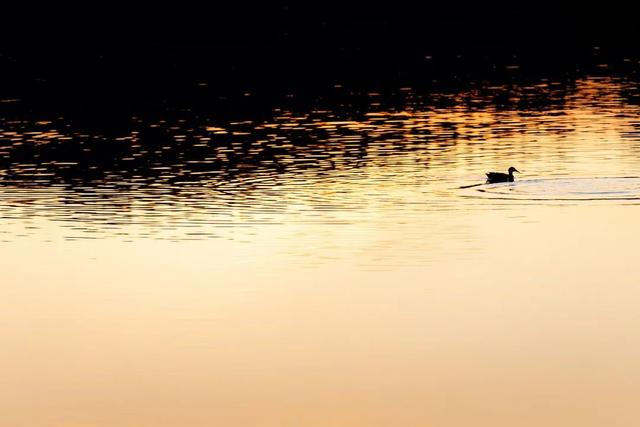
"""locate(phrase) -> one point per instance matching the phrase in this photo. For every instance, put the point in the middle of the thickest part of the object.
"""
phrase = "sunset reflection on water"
(326, 268)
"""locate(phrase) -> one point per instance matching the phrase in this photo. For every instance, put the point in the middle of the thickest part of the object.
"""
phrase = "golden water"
(325, 269)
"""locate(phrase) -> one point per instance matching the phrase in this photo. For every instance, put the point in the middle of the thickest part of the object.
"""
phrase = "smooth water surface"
(330, 267)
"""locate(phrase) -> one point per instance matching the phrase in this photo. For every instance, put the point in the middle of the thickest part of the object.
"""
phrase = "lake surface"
(338, 266)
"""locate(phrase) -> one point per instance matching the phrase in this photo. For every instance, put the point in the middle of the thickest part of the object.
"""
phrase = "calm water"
(331, 267)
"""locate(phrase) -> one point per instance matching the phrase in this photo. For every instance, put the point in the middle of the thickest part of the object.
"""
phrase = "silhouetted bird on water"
(494, 177)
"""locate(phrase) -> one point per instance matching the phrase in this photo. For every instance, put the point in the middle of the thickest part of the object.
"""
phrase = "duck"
(495, 177)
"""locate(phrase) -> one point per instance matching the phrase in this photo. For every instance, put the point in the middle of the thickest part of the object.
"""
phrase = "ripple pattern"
(564, 189)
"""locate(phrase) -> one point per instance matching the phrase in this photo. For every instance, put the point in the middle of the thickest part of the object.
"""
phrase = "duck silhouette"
(495, 177)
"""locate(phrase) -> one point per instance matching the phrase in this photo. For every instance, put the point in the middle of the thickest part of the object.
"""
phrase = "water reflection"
(326, 268)
(405, 154)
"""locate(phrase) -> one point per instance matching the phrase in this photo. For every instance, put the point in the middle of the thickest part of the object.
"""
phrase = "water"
(343, 265)
(564, 190)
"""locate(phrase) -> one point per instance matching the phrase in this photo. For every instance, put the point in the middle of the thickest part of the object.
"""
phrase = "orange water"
(354, 285)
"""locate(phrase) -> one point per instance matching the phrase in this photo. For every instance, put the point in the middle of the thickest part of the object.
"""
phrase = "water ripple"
(562, 189)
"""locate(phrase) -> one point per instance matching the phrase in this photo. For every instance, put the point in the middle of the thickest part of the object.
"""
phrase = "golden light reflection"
(318, 270)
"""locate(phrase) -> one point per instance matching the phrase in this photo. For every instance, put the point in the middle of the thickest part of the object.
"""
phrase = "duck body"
(496, 177)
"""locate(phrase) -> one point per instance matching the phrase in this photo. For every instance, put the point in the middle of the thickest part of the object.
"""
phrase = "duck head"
(512, 170)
